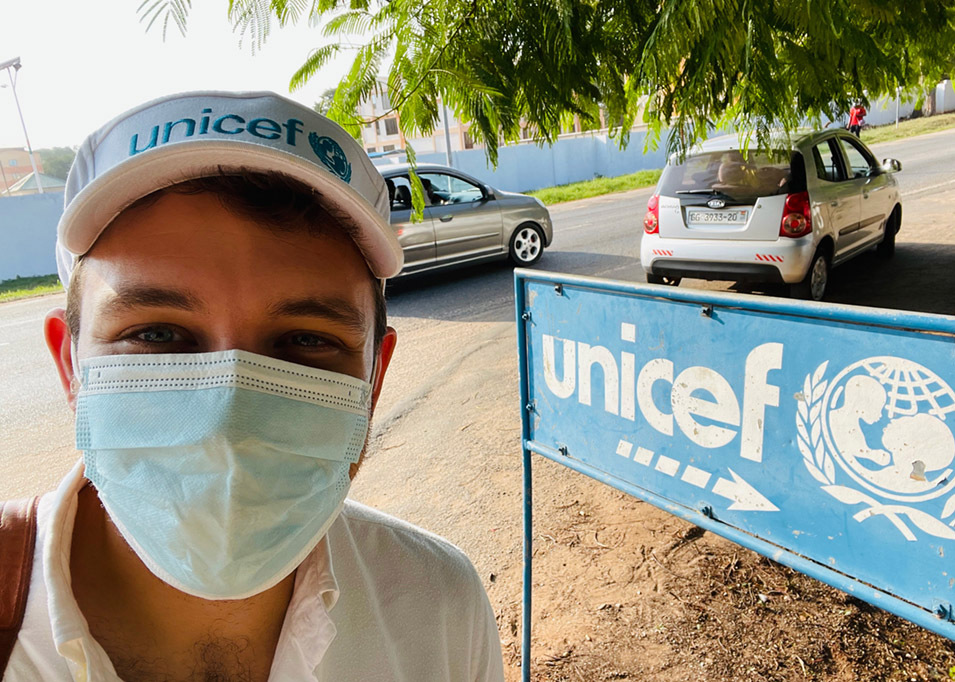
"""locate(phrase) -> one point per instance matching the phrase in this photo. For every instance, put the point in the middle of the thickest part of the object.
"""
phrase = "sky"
(86, 61)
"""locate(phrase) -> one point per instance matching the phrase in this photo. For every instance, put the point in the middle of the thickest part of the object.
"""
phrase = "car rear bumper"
(783, 260)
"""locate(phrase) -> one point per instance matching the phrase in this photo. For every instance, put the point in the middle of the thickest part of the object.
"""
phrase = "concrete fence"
(944, 97)
(28, 234)
(579, 156)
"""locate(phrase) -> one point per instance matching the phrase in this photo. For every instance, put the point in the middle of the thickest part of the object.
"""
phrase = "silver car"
(465, 221)
(787, 217)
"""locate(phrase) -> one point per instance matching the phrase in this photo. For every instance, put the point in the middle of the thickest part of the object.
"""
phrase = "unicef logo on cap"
(330, 153)
(887, 423)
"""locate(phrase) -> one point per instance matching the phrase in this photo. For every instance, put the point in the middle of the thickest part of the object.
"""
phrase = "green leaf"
(680, 67)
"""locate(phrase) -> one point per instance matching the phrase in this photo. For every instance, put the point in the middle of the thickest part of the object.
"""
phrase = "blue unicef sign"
(821, 436)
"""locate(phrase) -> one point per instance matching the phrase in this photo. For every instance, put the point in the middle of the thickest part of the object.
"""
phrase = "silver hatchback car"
(787, 217)
(465, 220)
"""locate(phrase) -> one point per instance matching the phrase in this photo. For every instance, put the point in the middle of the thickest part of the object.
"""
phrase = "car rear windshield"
(731, 175)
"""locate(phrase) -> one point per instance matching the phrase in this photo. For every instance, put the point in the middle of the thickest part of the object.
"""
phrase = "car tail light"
(797, 216)
(651, 222)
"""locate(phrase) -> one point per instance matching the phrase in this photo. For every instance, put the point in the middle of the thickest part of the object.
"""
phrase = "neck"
(141, 621)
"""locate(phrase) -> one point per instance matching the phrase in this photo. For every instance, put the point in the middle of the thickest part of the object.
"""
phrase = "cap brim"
(95, 207)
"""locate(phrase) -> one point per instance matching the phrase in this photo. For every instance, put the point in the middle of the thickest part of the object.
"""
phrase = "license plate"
(731, 217)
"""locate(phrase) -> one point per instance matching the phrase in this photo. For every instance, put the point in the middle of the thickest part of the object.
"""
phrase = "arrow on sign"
(744, 496)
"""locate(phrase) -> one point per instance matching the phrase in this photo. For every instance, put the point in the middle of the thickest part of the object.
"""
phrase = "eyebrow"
(334, 309)
(132, 297)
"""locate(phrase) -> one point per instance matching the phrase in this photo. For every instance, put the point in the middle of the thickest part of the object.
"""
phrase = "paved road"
(447, 322)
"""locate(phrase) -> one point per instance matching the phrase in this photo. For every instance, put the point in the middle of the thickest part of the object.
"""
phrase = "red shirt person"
(856, 118)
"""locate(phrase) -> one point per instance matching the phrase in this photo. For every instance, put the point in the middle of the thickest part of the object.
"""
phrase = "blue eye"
(157, 335)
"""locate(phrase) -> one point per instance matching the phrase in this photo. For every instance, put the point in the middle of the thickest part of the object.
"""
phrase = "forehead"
(193, 239)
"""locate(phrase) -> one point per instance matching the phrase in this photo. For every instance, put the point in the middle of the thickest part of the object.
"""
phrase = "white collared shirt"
(401, 604)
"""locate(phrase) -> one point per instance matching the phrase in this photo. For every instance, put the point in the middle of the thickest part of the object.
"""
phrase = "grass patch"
(909, 128)
(25, 287)
(596, 187)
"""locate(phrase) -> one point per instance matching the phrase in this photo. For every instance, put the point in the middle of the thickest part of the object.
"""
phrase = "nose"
(234, 333)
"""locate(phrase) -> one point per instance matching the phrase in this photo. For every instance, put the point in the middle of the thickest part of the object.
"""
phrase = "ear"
(381, 365)
(58, 340)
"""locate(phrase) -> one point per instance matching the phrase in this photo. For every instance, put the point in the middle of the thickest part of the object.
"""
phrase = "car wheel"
(527, 245)
(886, 248)
(814, 284)
(663, 279)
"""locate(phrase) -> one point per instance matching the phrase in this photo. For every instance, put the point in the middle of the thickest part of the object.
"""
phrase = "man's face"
(184, 275)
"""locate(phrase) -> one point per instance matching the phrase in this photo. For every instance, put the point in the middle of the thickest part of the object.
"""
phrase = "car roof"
(731, 142)
(402, 168)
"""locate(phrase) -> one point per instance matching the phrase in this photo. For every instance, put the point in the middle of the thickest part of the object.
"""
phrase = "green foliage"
(57, 161)
(596, 187)
(682, 67)
(26, 287)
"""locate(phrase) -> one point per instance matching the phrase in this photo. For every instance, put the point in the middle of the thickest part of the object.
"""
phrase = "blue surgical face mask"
(221, 470)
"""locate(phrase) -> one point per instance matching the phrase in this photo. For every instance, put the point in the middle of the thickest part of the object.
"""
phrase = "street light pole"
(14, 64)
(447, 134)
(898, 96)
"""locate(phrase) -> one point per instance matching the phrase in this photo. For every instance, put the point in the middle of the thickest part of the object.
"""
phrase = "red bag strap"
(17, 540)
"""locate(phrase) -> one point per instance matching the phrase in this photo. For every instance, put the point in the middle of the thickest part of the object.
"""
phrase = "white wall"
(882, 110)
(28, 234)
(944, 97)
(580, 156)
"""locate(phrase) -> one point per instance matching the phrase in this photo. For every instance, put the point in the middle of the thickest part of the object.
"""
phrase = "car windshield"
(732, 176)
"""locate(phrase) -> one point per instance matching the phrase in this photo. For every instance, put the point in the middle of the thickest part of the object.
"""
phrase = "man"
(856, 117)
(223, 347)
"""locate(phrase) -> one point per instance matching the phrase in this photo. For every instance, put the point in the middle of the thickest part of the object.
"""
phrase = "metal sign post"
(821, 436)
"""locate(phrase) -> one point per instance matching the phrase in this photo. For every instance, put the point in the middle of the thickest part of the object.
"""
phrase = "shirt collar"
(307, 630)
(71, 634)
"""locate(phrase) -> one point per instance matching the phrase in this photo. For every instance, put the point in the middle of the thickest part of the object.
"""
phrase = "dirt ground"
(657, 599)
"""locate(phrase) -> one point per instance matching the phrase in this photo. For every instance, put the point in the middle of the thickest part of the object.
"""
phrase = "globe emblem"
(331, 154)
(888, 423)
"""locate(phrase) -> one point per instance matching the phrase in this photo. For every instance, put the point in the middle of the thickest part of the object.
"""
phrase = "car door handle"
(446, 218)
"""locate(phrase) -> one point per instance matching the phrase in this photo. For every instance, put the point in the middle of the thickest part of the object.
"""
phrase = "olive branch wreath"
(820, 465)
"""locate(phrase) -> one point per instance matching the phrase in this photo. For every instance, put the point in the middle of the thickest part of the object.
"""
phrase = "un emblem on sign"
(881, 426)
(331, 154)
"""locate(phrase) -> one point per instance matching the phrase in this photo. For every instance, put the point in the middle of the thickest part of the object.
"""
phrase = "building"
(15, 165)
(381, 133)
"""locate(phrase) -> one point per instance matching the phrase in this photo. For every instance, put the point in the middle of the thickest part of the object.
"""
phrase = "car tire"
(664, 279)
(886, 248)
(813, 286)
(527, 245)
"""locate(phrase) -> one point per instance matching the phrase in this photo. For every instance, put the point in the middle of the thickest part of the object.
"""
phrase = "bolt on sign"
(819, 435)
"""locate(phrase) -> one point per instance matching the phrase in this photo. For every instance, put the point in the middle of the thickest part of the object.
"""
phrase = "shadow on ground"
(921, 277)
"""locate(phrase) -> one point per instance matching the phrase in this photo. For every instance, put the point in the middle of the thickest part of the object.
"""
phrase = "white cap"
(195, 134)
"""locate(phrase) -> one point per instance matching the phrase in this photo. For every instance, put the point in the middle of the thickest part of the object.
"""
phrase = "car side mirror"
(488, 192)
(891, 165)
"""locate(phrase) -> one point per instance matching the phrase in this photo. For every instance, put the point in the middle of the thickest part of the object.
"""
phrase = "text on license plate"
(734, 217)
